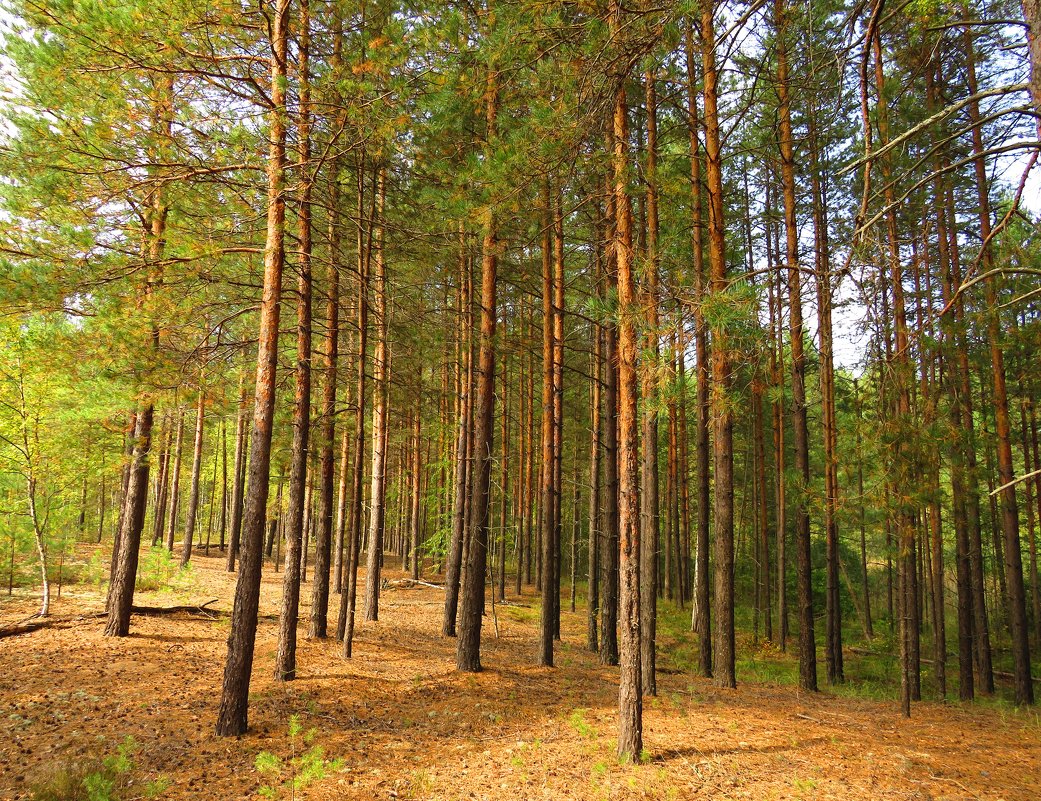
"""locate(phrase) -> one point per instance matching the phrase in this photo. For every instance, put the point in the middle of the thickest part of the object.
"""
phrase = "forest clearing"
(407, 725)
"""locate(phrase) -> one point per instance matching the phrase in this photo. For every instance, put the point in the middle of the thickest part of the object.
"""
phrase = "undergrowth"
(111, 779)
(289, 775)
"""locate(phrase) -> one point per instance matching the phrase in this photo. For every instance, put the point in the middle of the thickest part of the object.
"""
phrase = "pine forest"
(520, 399)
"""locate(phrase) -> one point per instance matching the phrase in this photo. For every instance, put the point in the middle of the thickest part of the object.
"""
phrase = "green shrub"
(159, 569)
(109, 780)
(297, 772)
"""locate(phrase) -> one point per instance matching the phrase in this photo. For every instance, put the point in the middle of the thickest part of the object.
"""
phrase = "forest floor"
(404, 724)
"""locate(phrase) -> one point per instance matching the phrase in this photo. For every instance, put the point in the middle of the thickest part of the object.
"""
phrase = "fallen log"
(35, 624)
(26, 628)
(409, 583)
(186, 609)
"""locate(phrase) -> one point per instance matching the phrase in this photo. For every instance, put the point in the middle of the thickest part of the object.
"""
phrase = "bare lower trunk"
(596, 416)
(175, 487)
(121, 593)
(239, 486)
(546, 532)
(417, 487)
(381, 393)
(193, 494)
(348, 599)
(453, 568)
(162, 484)
(609, 541)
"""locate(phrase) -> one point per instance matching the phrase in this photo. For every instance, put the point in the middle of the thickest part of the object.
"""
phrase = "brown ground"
(408, 726)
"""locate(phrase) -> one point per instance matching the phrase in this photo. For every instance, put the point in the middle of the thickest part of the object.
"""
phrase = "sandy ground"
(406, 725)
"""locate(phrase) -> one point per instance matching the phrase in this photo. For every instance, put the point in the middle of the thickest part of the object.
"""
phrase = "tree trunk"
(341, 509)
(381, 397)
(417, 488)
(239, 487)
(630, 704)
(1032, 15)
(762, 523)
(232, 718)
(132, 516)
(546, 533)
(453, 567)
(504, 481)
(285, 657)
(596, 417)
(519, 488)
(776, 297)
(348, 600)
(671, 469)
(558, 400)
(1035, 584)
(276, 515)
(529, 469)
(722, 415)
(223, 520)
(901, 411)
(323, 573)
(865, 587)
(825, 289)
(1029, 490)
(330, 357)
(966, 440)
(1017, 611)
(193, 496)
(609, 542)
(175, 488)
(701, 617)
(949, 358)
(124, 478)
(683, 483)
(807, 644)
(650, 534)
(102, 492)
(121, 588)
(468, 649)
(162, 483)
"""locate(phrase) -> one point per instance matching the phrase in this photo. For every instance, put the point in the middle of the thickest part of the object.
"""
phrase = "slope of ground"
(405, 724)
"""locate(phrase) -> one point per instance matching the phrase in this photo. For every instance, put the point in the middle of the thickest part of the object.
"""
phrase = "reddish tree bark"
(232, 717)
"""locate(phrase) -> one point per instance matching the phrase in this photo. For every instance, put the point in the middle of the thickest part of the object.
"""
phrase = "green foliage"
(159, 569)
(111, 780)
(294, 773)
(581, 725)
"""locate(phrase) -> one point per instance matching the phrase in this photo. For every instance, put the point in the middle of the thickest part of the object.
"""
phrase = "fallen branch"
(27, 628)
(187, 609)
(408, 583)
(37, 623)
